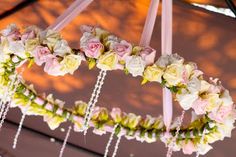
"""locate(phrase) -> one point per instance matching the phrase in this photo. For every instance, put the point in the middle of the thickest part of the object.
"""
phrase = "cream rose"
(71, 62)
(174, 74)
(153, 73)
(108, 61)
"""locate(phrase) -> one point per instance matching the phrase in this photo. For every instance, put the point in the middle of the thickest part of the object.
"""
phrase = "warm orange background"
(207, 38)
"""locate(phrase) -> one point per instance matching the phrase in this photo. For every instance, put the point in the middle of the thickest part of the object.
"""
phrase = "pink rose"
(93, 48)
(96, 112)
(188, 148)
(122, 49)
(11, 32)
(41, 54)
(220, 114)
(53, 67)
(199, 106)
(148, 55)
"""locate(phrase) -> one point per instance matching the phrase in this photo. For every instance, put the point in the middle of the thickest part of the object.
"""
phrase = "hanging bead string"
(65, 141)
(201, 140)
(3, 105)
(110, 140)
(11, 93)
(14, 83)
(20, 125)
(94, 99)
(116, 146)
(93, 95)
(173, 141)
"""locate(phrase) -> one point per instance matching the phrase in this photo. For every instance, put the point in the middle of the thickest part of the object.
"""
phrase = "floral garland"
(213, 113)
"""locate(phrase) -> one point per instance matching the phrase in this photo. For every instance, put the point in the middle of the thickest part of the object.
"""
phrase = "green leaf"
(117, 130)
(91, 63)
(144, 81)
(31, 62)
(126, 71)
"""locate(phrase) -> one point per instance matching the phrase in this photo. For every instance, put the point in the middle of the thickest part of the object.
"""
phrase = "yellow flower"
(174, 74)
(153, 73)
(70, 63)
(108, 61)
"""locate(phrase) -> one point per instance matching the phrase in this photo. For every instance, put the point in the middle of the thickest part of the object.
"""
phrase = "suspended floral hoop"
(214, 109)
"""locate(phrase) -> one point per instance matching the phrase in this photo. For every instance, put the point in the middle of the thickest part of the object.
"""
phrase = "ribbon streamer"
(70, 13)
(144, 41)
(166, 45)
(149, 23)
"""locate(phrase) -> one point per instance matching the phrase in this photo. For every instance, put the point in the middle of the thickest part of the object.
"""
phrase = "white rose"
(163, 61)
(194, 85)
(186, 99)
(226, 98)
(135, 65)
(204, 86)
(50, 38)
(61, 48)
(17, 47)
(85, 37)
(3, 57)
(226, 128)
(213, 137)
(166, 60)
(175, 58)
(203, 148)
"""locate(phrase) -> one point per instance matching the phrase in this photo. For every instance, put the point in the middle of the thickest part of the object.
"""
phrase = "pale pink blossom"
(30, 33)
(148, 55)
(185, 76)
(92, 48)
(199, 106)
(53, 67)
(116, 114)
(41, 54)
(86, 28)
(188, 148)
(122, 49)
(221, 113)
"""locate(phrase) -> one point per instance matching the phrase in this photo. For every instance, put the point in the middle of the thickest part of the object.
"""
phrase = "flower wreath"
(213, 109)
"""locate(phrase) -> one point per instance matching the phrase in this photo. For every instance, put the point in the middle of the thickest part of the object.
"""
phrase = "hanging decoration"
(65, 141)
(212, 106)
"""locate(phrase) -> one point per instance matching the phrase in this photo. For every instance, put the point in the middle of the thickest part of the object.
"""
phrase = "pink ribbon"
(166, 43)
(149, 23)
(74, 9)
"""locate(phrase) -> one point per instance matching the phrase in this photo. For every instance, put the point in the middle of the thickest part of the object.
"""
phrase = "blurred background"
(199, 35)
